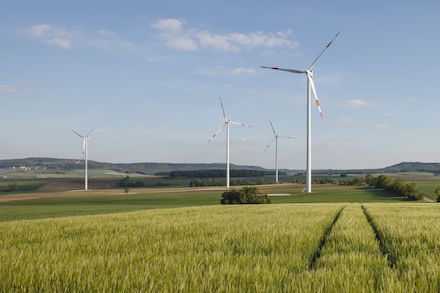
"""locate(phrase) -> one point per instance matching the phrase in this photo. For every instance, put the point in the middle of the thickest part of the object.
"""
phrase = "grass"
(59, 204)
(228, 248)
(21, 185)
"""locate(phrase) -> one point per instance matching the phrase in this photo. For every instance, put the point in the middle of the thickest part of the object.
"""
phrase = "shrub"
(246, 195)
(12, 187)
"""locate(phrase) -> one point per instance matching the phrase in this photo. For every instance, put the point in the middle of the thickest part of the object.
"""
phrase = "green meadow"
(59, 204)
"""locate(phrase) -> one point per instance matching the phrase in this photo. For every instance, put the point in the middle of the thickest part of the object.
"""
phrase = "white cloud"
(181, 43)
(6, 89)
(381, 125)
(57, 36)
(356, 103)
(219, 42)
(171, 32)
(169, 24)
(69, 37)
(63, 43)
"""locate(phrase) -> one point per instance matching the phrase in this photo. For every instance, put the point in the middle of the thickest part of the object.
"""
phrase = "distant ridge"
(63, 165)
(397, 168)
(149, 168)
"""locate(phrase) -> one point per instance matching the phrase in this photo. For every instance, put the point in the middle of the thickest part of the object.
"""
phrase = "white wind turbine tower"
(226, 123)
(310, 87)
(275, 138)
(84, 150)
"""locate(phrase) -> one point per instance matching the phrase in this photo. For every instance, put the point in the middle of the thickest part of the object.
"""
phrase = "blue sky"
(149, 74)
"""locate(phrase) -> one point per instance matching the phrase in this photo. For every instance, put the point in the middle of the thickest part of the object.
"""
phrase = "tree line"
(197, 182)
(215, 173)
(396, 186)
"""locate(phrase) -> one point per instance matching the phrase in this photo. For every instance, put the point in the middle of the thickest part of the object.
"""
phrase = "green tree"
(437, 191)
(260, 180)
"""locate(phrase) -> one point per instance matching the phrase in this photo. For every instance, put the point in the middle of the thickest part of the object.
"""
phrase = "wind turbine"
(275, 138)
(84, 150)
(226, 123)
(310, 87)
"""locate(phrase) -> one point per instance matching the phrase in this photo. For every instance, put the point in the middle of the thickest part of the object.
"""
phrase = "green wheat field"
(338, 247)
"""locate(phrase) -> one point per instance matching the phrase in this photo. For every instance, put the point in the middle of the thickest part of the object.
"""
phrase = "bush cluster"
(396, 186)
(246, 195)
(353, 181)
(330, 180)
(324, 181)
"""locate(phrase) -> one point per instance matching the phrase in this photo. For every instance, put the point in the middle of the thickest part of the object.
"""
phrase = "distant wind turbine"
(275, 138)
(310, 87)
(227, 122)
(84, 150)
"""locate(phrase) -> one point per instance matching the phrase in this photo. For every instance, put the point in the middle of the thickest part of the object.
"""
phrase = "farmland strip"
(391, 257)
(323, 239)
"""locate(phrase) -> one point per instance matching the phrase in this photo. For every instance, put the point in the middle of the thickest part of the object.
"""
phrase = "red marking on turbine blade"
(317, 103)
(275, 68)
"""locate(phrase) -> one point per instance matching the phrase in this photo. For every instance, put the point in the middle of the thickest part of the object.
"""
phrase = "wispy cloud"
(356, 103)
(243, 71)
(76, 36)
(6, 89)
(174, 35)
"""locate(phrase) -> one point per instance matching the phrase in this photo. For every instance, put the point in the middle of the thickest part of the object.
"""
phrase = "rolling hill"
(64, 166)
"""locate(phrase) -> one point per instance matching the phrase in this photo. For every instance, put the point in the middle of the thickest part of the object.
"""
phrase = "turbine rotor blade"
(284, 69)
(322, 52)
(273, 129)
(312, 85)
(216, 133)
(78, 134)
(91, 131)
(271, 142)
(223, 109)
(239, 123)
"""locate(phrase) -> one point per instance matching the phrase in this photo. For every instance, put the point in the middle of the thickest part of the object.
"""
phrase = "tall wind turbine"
(84, 150)
(275, 138)
(310, 87)
(226, 123)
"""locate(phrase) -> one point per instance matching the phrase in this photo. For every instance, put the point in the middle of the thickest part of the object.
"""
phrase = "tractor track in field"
(323, 240)
(390, 256)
